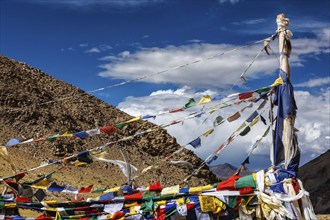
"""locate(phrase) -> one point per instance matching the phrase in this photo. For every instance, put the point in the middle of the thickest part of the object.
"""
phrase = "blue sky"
(93, 44)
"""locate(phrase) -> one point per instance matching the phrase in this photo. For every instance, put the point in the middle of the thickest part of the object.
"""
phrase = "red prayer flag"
(133, 197)
(21, 199)
(234, 117)
(88, 189)
(109, 129)
(245, 95)
(228, 184)
(155, 187)
(176, 110)
(19, 176)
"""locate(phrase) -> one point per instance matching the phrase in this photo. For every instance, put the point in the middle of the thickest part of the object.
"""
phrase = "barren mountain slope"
(22, 115)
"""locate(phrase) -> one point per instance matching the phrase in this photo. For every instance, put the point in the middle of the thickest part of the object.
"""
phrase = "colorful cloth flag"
(121, 125)
(218, 121)
(245, 131)
(204, 99)
(108, 129)
(255, 121)
(12, 142)
(234, 117)
(40, 195)
(149, 116)
(278, 81)
(176, 110)
(207, 133)
(81, 134)
(93, 132)
(263, 119)
(43, 184)
(218, 97)
(245, 95)
(107, 196)
(87, 189)
(252, 116)
(190, 103)
(196, 143)
(55, 187)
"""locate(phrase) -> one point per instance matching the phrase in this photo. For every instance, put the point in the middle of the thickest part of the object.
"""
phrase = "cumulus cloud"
(312, 122)
(315, 82)
(164, 64)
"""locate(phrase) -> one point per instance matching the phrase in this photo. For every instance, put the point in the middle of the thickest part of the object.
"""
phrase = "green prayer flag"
(121, 125)
(262, 90)
(53, 138)
(190, 103)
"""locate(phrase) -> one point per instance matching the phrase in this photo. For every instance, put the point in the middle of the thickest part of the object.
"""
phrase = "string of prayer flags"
(204, 99)
(196, 143)
(190, 103)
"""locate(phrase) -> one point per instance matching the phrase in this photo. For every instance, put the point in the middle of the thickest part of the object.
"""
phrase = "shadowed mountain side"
(315, 176)
(23, 88)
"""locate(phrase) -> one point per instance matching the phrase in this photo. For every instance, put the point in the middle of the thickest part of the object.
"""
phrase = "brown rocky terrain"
(316, 178)
(23, 89)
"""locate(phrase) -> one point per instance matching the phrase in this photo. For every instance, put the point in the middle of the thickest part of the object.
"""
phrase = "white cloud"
(85, 3)
(83, 45)
(250, 21)
(315, 82)
(93, 50)
(231, 1)
(313, 122)
(219, 72)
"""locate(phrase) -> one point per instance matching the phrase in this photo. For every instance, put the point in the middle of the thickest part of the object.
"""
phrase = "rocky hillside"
(23, 89)
(316, 178)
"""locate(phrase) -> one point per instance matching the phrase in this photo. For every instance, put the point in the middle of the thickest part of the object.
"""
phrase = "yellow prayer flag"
(240, 127)
(134, 119)
(78, 163)
(162, 202)
(115, 189)
(207, 133)
(278, 81)
(181, 201)
(42, 184)
(67, 134)
(255, 121)
(205, 99)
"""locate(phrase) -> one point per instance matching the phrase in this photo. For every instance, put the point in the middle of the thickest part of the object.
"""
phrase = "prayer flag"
(43, 184)
(93, 132)
(207, 133)
(134, 119)
(84, 157)
(81, 134)
(218, 121)
(247, 160)
(245, 95)
(12, 142)
(255, 121)
(121, 125)
(87, 189)
(234, 117)
(107, 196)
(264, 89)
(263, 119)
(245, 131)
(252, 116)
(149, 116)
(40, 195)
(190, 103)
(204, 99)
(108, 129)
(55, 187)
(214, 158)
(196, 143)
(53, 138)
(70, 189)
(172, 190)
(176, 110)
(278, 81)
